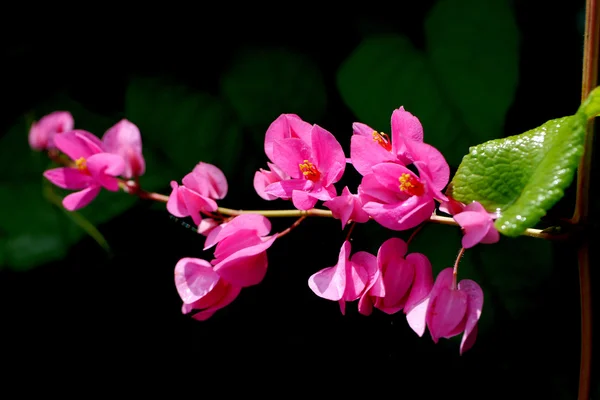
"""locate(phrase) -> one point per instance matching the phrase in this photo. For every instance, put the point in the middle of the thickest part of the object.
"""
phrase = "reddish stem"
(288, 230)
(581, 213)
(461, 253)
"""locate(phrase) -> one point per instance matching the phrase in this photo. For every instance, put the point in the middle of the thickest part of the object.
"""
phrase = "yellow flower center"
(411, 185)
(81, 164)
(309, 171)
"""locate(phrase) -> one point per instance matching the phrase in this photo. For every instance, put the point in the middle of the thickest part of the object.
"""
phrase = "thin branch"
(582, 201)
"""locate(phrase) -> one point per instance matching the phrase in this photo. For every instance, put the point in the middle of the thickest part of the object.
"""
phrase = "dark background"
(106, 315)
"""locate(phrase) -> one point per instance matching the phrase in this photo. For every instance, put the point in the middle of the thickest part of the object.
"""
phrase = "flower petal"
(330, 283)
(447, 307)
(417, 316)
(475, 225)
(405, 127)
(403, 215)
(247, 266)
(288, 154)
(253, 222)
(104, 167)
(422, 282)
(231, 294)
(284, 127)
(474, 307)
(361, 129)
(398, 276)
(359, 271)
(208, 180)
(77, 200)
(303, 200)
(194, 279)
(284, 189)
(365, 153)
(42, 132)
(196, 204)
(124, 138)
(328, 155)
(176, 205)
(68, 178)
(77, 144)
(437, 166)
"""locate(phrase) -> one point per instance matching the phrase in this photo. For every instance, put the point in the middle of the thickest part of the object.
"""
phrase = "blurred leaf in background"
(180, 127)
(460, 86)
(263, 83)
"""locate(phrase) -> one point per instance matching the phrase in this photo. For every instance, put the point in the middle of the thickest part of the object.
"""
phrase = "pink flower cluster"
(402, 179)
(94, 163)
(240, 260)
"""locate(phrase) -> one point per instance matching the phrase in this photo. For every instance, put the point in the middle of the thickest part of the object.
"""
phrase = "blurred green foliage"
(460, 86)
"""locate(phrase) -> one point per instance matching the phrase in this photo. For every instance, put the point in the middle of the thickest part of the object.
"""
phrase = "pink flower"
(347, 207)
(396, 197)
(124, 139)
(201, 187)
(477, 224)
(42, 132)
(369, 147)
(451, 309)
(201, 288)
(240, 261)
(241, 245)
(264, 178)
(93, 168)
(346, 280)
(313, 159)
(284, 127)
(402, 282)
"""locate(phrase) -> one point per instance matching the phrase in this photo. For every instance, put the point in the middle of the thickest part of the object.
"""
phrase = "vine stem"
(132, 188)
(581, 213)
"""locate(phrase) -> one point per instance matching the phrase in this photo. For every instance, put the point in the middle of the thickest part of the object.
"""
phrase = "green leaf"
(261, 84)
(181, 127)
(523, 176)
(460, 87)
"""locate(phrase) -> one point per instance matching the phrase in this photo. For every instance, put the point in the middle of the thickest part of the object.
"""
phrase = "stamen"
(81, 164)
(383, 140)
(309, 171)
(411, 185)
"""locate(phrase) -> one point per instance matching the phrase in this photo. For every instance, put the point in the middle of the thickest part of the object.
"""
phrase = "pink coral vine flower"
(124, 138)
(312, 158)
(477, 225)
(201, 187)
(42, 132)
(263, 178)
(369, 147)
(93, 169)
(451, 309)
(240, 261)
(393, 195)
(406, 280)
(201, 288)
(240, 252)
(346, 207)
(346, 280)
(396, 197)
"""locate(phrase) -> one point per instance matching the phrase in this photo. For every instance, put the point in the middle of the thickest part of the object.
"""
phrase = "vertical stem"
(589, 81)
(461, 253)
